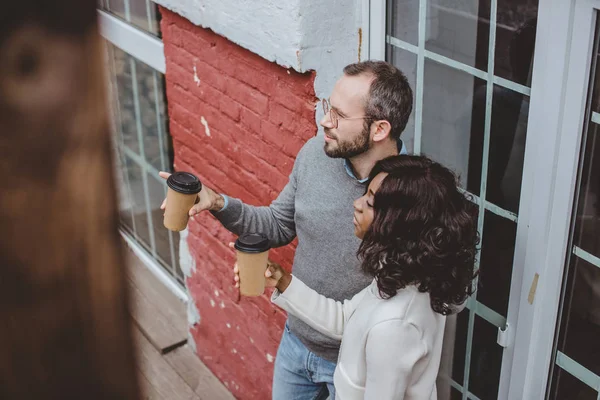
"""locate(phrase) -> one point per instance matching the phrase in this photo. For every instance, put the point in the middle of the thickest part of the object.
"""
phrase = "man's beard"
(349, 149)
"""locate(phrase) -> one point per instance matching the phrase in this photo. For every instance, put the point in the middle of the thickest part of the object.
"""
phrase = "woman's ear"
(380, 130)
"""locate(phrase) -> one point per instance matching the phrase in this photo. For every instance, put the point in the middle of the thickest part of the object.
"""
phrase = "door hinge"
(504, 336)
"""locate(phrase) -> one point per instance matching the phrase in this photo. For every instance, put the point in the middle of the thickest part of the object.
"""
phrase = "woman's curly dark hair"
(424, 232)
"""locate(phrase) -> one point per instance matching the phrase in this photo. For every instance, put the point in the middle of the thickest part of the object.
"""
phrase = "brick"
(253, 76)
(303, 106)
(250, 120)
(250, 97)
(286, 118)
(263, 170)
(284, 140)
(181, 115)
(230, 107)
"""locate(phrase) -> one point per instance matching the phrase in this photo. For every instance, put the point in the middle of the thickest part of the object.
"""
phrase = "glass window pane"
(134, 174)
(459, 30)
(497, 251)
(407, 63)
(157, 192)
(175, 238)
(455, 345)
(580, 321)
(125, 117)
(125, 196)
(453, 111)
(178, 271)
(566, 387)
(153, 117)
(143, 14)
(510, 112)
(586, 234)
(116, 7)
(455, 395)
(515, 39)
(403, 20)
(486, 360)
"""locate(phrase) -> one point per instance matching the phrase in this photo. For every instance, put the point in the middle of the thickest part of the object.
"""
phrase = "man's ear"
(380, 130)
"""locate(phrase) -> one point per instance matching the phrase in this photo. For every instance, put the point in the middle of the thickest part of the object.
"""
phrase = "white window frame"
(549, 177)
(141, 45)
(149, 50)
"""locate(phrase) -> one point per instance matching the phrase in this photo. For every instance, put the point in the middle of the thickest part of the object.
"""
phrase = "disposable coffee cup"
(183, 189)
(252, 251)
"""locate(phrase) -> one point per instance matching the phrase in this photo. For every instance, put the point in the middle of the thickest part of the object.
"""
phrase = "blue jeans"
(300, 374)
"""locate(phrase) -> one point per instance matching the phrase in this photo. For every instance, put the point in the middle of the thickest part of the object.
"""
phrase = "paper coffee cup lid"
(184, 182)
(252, 243)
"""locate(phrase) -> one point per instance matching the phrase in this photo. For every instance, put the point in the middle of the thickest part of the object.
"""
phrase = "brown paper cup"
(178, 208)
(252, 267)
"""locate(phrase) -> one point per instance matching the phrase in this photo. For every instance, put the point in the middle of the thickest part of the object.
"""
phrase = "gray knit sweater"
(316, 206)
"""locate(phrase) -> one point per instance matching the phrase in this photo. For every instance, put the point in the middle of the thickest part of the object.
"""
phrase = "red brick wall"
(258, 116)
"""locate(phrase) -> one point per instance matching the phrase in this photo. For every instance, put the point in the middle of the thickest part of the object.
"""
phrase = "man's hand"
(207, 199)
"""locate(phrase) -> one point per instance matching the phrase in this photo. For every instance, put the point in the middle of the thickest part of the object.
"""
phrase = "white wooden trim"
(144, 47)
(564, 39)
(156, 269)
(377, 24)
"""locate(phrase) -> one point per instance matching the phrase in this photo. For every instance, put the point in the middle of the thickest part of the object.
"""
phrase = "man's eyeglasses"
(333, 115)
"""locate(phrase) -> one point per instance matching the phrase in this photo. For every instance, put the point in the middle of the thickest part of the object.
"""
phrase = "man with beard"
(364, 117)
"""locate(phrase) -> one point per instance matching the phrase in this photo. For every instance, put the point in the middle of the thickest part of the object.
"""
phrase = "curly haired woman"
(419, 238)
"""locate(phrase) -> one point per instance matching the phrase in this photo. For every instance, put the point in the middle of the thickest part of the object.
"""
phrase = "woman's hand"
(275, 276)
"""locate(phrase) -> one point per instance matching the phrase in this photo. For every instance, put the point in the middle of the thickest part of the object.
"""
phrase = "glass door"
(470, 65)
(575, 367)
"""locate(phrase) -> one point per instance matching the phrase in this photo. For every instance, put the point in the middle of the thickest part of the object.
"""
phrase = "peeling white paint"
(196, 79)
(205, 124)
(193, 314)
(186, 261)
(270, 358)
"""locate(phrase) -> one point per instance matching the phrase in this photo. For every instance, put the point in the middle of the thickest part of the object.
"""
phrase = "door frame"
(566, 36)
(549, 178)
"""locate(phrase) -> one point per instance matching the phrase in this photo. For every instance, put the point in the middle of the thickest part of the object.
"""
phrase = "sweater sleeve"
(276, 221)
(322, 313)
(393, 349)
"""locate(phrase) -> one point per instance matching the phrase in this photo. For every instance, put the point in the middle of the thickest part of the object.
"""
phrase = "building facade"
(505, 94)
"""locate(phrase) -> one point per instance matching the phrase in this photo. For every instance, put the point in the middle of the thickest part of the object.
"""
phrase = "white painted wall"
(320, 35)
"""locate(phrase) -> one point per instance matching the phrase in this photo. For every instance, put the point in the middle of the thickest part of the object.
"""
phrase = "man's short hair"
(390, 96)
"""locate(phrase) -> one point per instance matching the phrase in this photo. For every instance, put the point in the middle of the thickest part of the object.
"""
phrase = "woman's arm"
(393, 349)
(323, 314)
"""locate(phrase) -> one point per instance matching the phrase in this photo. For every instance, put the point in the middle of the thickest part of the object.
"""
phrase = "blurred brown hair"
(64, 330)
